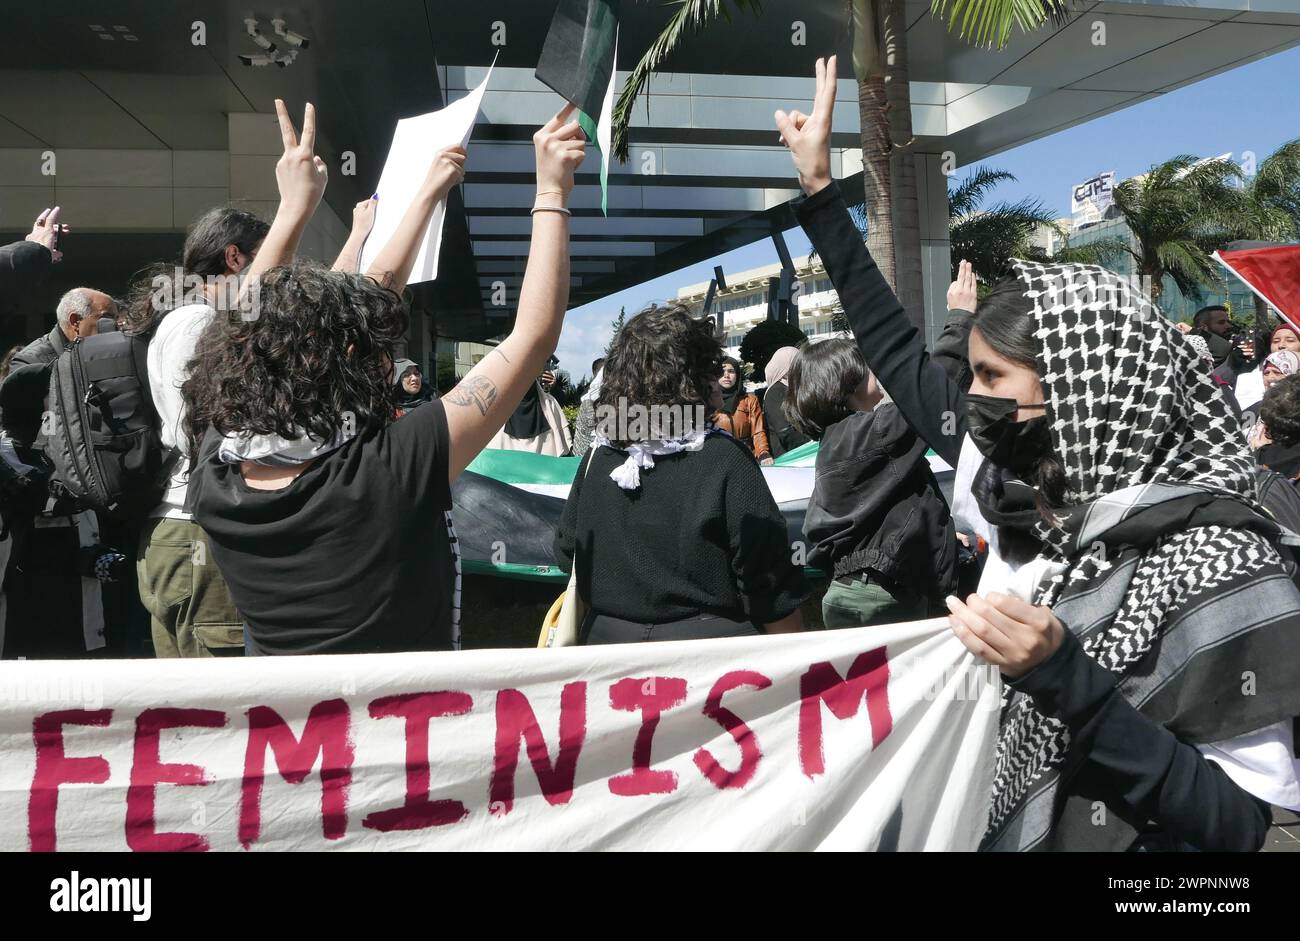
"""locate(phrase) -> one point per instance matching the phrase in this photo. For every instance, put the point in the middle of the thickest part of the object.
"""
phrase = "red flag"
(1271, 271)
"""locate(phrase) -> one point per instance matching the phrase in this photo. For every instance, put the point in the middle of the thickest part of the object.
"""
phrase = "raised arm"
(392, 266)
(23, 265)
(363, 220)
(301, 177)
(926, 395)
(480, 404)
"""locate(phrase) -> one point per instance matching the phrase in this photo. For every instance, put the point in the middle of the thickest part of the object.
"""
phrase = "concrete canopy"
(141, 125)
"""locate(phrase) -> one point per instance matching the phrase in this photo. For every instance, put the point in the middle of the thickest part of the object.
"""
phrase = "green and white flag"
(580, 61)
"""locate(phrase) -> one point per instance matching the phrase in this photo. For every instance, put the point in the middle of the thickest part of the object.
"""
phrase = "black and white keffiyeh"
(1171, 578)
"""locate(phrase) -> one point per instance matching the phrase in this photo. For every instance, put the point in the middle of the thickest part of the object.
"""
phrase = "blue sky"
(1253, 108)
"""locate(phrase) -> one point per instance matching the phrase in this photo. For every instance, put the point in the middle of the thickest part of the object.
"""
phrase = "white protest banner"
(415, 142)
(872, 738)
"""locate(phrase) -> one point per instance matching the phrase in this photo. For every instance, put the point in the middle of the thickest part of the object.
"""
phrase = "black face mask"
(1219, 346)
(1014, 445)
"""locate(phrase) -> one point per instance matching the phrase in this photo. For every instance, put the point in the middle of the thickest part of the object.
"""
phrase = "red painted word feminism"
(328, 737)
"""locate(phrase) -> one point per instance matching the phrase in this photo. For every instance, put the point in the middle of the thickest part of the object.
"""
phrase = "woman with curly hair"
(1276, 435)
(672, 528)
(330, 520)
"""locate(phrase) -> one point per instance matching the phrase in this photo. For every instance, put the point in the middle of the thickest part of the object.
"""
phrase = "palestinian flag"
(580, 61)
(1271, 270)
(514, 499)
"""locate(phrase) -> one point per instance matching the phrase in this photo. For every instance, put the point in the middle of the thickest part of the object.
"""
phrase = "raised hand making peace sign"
(808, 136)
(300, 175)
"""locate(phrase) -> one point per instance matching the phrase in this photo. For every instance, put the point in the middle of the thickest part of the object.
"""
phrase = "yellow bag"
(562, 621)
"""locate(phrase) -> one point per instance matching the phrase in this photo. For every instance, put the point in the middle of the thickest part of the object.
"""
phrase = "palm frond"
(971, 191)
(691, 16)
(1105, 252)
(1274, 193)
(989, 22)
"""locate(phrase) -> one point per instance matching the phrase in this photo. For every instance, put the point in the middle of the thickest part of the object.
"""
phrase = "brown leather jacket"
(746, 425)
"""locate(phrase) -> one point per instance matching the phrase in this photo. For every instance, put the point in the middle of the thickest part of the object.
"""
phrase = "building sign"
(1091, 199)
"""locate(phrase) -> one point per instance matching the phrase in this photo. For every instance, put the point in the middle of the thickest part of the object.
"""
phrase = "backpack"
(105, 441)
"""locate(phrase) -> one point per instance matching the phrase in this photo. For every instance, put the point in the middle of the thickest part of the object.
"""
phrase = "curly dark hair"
(1280, 411)
(7, 364)
(318, 354)
(661, 357)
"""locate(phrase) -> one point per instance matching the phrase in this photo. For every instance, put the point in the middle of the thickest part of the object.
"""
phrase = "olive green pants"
(852, 602)
(189, 606)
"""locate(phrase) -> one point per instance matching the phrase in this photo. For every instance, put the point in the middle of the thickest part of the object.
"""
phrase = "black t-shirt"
(353, 556)
(701, 535)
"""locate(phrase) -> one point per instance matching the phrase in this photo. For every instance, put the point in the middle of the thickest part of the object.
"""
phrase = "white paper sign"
(874, 738)
(415, 142)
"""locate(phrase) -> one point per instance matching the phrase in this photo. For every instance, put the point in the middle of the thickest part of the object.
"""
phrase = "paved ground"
(1284, 836)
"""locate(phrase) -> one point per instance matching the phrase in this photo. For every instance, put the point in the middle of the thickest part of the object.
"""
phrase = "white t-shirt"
(170, 351)
(1261, 763)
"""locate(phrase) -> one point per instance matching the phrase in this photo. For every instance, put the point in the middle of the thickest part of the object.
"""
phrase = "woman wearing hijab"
(410, 389)
(672, 527)
(1248, 385)
(1277, 365)
(537, 425)
(1276, 436)
(741, 414)
(782, 436)
(1125, 537)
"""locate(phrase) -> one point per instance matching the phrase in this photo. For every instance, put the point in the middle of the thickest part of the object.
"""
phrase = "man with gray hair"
(55, 543)
(22, 395)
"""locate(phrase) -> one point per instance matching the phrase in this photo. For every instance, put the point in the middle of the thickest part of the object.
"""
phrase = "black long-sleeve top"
(700, 535)
(1153, 773)
(1164, 780)
(23, 265)
(928, 389)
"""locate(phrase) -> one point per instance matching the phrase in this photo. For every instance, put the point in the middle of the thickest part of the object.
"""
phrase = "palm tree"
(879, 29)
(1273, 198)
(1179, 212)
(990, 237)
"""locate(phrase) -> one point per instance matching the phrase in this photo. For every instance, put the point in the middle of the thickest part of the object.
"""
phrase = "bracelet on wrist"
(537, 209)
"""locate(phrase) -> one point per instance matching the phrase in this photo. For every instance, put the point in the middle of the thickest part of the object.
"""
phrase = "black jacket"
(23, 391)
(781, 435)
(876, 505)
(1281, 458)
(23, 265)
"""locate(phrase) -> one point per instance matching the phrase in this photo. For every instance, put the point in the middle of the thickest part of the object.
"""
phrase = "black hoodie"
(876, 505)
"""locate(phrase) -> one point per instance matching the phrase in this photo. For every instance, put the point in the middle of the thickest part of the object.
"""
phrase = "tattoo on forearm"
(476, 390)
(497, 350)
